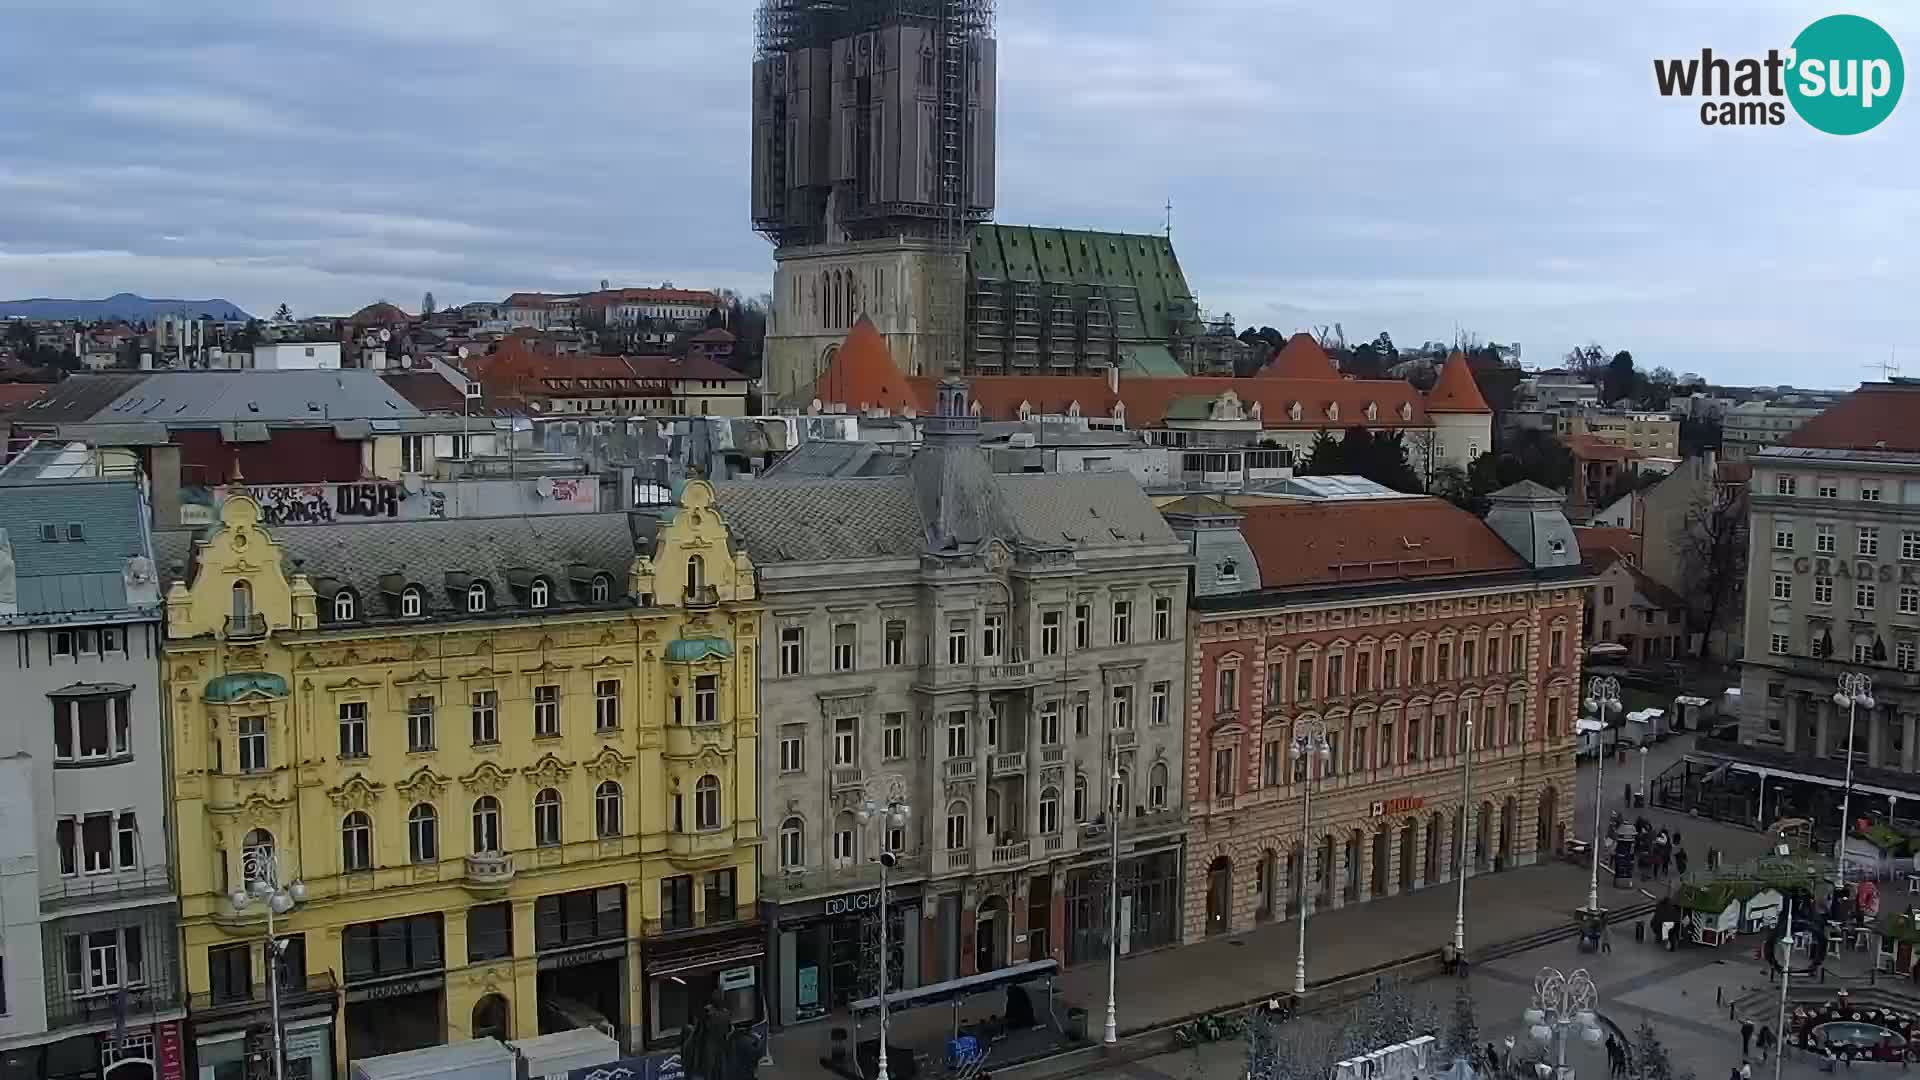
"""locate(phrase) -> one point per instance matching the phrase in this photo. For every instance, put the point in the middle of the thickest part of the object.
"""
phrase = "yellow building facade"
(512, 762)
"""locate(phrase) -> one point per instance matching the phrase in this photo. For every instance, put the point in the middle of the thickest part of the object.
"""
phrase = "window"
(1557, 648)
(792, 758)
(1779, 645)
(393, 946)
(1079, 798)
(1869, 491)
(957, 631)
(1158, 699)
(1303, 680)
(477, 597)
(1823, 588)
(896, 642)
(1513, 722)
(601, 589)
(1227, 690)
(253, 744)
(1050, 722)
(546, 711)
(230, 974)
(1909, 544)
(1082, 705)
(843, 647)
(1862, 652)
(343, 606)
(486, 717)
(1517, 654)
(356, 842)
(1443, 662)
(1223, 773)
(1416, 665)
(717, 895)
(793, 641)
(957, 825)
(486, 825)
(993, 627)
(101, 961)
(1868, 542)
(1050, 633)
(706, 699)
(1467, 658)
(1413, 739)
(1864, 596)
(1829, 489)
(128, 833)
(1359, 749)
(1784, 485)
(256, 850)
(538, 593)
(792, 844)
(957, 725)
(1390, 669)
(1122, 621)
(91, 728)
(696, 573)
(1362, 672)
(95, 847)
(489, 932)
(706, 803)
(1910, 599)
(413, 451)
(1083, 626)
(419, 724)
(411, 602)
(1162, 618)
(1903, 655)
(546, 818)
(606, 705)
(1783, 539)
(846, 741)
(843, 840)
(1336, 675)
(606, 810)
(1049, 811)
(423, 834)
(1122, 707)
(1122, 792)
(893, 736)
(1823, 540)
(242, 603)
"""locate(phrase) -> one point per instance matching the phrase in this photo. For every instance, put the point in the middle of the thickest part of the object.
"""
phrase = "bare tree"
(1712, 540)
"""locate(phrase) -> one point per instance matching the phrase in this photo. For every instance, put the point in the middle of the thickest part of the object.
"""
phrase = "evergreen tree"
(1325, 457)
(1650, 1060)
(426, 305)
(1463, 1031)
(283, 313)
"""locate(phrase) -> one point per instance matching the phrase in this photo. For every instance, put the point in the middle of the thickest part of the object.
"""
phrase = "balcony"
(72, 1010)
(994, 674)
(1012, 854)
(1125, 739)
(957, 860)
(246, 627)
(960, 768)
(489, 871)
(147, 883)
(699, 845)
(699, 597)
(317, 991)
(838, 879)
(1011, 763)
(848, 778)
(1055, 844)
(687, 921)
(1053, 755)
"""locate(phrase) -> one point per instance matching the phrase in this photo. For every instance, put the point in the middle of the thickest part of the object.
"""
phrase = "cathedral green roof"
(1052, 256)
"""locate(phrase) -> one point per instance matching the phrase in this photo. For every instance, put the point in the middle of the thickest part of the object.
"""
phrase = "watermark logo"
(1843, 75)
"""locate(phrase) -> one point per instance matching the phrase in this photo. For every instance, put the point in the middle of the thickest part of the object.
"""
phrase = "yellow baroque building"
(510, 762)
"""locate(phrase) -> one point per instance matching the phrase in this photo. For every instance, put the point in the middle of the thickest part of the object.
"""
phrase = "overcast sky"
(1504, 168)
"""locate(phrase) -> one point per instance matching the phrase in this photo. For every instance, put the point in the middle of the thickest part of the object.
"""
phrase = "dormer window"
(537, 594)
(477, 597)
(1229, 571)
(343, 606)
(602, 589)
(411, 602)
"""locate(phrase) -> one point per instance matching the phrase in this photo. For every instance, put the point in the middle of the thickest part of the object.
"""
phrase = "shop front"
(152, 1051)
(396, 985)
(233, 1031)
(1150, 898)
(686, 971)
(581, 939)
(826, 950)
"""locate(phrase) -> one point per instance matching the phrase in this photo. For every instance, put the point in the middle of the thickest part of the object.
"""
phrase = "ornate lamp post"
(1603, 695)
(1562, 1003)
(1466, 797)
(892, 813)
(261, 872)
(1643, 775)
(1856, 692)
(1309, 743)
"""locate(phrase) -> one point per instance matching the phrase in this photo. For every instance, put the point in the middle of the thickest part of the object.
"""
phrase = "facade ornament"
(487, 779)
(608, 764)
(548, 771)
(424, 785)
(358, 793)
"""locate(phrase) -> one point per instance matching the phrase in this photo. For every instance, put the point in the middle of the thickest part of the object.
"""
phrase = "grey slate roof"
(423, 553)
(830, 458)
(73, 576)
(257, 396)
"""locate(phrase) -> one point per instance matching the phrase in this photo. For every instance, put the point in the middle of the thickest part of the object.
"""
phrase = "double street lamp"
(1855, 693)
(1563, 1003)
(893, 813)
(1309, 742)
(1466, 797)
(1603, 696)
(261, 873)
(1111, 1035)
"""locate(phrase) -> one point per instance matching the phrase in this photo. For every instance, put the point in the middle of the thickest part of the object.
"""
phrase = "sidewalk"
(1159, 987)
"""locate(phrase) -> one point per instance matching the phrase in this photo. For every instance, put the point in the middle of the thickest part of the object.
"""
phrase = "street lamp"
(1643, 774)
(1309, 742)
(261, 872)
(1856, 691)
(1466, 798)
(1561, 1003)
(1603, 694)
(1115, 811)
(893, 814)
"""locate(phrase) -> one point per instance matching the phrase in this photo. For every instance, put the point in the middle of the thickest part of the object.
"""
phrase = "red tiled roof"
(1594, 448)
(518, 368)
(1602, 544)
(380, 312)
(717, 335)
(862, 375)
(19, 393)
(1878, 416)
(1372, 540)
(1149, 399)
(429, 391)
(653, 296)
(1456, 392)
(1300, 358)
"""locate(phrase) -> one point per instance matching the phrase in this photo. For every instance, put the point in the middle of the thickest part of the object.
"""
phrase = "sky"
(1502, 170)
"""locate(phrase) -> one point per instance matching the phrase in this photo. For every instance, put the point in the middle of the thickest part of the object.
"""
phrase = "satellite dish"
(463, 352)
(543, 487)
(385, 334)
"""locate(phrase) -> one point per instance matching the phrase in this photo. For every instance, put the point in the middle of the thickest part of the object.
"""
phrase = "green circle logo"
(1846, 75)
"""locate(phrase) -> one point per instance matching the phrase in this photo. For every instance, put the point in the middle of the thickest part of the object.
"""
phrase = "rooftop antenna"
(1169, 217)
(1890, 367)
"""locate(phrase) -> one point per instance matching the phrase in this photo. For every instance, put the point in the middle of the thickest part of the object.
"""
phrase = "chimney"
(1113, 379)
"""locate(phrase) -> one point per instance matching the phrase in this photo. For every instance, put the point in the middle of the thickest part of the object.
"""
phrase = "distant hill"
(124, 306)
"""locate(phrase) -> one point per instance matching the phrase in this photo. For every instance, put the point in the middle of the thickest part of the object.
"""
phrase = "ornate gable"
(548, 771)
(487, 778)
(358, 793)
(424, 785)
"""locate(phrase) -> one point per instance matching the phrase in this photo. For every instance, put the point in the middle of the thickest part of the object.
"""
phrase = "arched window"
(256, 851)
(537, 595)
(606, 809)
(477, 596)
(696, 573)
(423, 834)
(1122, 792)
(706, 803)
(956, 824)
(411, 603)
(242, 601)
(486, 825)
(1157, 786)
(793, 844)
(1049, 810)
(1079, 798)
(602, 589)
(356, 842)
(343, 606)
(546, 818)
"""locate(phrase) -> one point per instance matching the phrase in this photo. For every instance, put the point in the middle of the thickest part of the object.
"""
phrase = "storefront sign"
(1855, 569)
(397, 988)
(170, 1051)
(581, 956)
(853, 902)
(739, 978)
(1404, 805)
(651, 1067)
(309, 1042)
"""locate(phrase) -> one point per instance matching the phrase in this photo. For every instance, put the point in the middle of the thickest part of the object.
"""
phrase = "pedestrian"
(1765, 1042)
(1606, 938)
(1746, 1070)
(1746, 1038)
(1733, 1074)
(1680, 860)
(1713, 858)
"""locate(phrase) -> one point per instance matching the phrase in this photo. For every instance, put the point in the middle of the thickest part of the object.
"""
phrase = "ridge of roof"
(862, 375)
(1877, 416)
(1455, 391)
(1300, 358)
